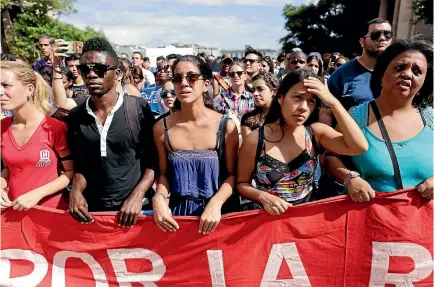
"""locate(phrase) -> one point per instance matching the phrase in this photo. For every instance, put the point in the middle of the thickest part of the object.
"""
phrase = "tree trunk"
(7, 30)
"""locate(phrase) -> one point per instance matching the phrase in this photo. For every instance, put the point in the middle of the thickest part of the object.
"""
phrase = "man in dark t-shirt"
(113, 171)
(79, 88)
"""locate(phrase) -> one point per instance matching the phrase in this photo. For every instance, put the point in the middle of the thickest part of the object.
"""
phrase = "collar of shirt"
(103, 129)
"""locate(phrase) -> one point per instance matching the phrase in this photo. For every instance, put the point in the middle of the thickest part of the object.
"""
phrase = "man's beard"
(373, 53)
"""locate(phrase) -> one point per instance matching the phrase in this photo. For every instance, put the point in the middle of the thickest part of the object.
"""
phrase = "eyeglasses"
(296, 61)
(339, 64)
(165, 93)
(191, 79)
(165, 68)
(239, 73)
(377, 34)
(250, 61)
(99, 69)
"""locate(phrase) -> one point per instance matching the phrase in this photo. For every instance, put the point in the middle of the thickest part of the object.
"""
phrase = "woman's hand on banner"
(162, 214)
(211, 217)
(274, 205)
(27, 200)
(360, 190)
(426, 188)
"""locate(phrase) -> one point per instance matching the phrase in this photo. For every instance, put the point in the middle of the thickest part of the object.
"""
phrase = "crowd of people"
(260, 133)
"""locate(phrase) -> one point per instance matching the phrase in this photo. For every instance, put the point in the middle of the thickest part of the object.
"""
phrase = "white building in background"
(154, 53)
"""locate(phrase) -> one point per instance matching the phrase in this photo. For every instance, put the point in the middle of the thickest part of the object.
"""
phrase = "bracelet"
(350, 176)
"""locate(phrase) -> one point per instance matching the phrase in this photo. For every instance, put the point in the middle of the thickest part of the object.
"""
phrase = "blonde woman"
(32, 143)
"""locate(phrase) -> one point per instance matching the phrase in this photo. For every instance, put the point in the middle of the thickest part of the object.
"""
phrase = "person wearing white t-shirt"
(138, 62)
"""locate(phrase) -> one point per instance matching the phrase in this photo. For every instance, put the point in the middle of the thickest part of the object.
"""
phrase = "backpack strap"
(166, 134)
(221, 137)
(133, 118)
(222, 82)
(260, 143)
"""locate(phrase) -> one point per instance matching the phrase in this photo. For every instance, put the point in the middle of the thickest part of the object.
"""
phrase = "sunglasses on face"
(339, 64)
(99, 69)
(165, 68)
(295, 62)
(239, 73)
(191, 79)
(165, 93)
(250, 61)
(377, 34)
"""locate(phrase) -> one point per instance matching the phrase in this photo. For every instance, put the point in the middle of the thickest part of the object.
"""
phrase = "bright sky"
(225, 24)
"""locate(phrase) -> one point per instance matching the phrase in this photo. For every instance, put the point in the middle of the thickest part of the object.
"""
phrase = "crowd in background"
(80, 133)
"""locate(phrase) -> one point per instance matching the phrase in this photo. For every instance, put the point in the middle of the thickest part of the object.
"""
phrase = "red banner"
(336, 242)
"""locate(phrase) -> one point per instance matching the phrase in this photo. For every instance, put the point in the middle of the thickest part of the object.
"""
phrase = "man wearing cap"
(221, 80)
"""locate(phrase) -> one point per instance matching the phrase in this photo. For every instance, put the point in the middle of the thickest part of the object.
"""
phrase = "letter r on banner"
(30, 280)
(124, 278)
(287, 251)
(381, 253)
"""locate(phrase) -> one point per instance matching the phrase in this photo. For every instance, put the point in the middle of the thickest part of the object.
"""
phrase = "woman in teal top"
(402, 82)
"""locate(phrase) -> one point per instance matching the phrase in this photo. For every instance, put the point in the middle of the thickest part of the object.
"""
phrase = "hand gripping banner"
(336, 242)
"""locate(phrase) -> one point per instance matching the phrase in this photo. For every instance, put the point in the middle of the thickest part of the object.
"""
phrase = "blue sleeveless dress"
(193, 177)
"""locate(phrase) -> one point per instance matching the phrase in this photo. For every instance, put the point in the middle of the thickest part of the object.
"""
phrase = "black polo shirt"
(106, 155)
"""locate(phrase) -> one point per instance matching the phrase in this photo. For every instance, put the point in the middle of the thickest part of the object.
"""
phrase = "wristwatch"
(350, 176)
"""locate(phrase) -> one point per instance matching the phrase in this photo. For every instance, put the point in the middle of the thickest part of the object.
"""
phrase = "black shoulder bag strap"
(132, 118)
(385, 134)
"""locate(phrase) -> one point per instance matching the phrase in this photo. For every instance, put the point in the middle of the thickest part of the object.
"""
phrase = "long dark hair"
(290, 80)
(206, 73)
(425, 95)
(320, 64)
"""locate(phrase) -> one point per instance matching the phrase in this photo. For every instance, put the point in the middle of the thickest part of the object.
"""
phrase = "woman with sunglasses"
(282, 156)
(198, 170)
(265, 87)
(37, 160)
(125, 79)
(162, 74)
(339, 62)
(398, 125)
(237, 101)
(168, 97)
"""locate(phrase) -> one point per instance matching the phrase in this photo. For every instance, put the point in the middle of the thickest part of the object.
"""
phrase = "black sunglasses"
(377, 34)
(161, 68)
(191, 78)
(239, 73)
(165, 93)
(339, 64)
(99, 69)
(250, 61)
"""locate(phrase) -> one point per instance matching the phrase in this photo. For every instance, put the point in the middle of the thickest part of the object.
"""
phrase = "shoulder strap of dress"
(166, 133)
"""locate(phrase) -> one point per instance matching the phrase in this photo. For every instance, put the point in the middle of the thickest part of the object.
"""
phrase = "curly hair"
(100, 45)
(269, 78)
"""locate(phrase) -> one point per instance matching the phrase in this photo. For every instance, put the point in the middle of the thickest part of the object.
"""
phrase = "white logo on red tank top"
(44, 158)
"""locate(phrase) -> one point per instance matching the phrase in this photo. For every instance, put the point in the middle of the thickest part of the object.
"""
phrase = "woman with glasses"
(125, 79)
(237, 101)
(168, 97)
(162, 74)
(197, 172)
(339, 62)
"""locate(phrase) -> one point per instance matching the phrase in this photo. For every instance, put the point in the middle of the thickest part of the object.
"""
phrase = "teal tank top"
(415, 155)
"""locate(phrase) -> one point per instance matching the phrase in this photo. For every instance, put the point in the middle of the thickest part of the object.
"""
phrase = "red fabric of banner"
(335, 242)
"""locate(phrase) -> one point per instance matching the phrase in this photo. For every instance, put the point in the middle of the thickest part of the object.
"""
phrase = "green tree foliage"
(37, 17)
(423, 10)
(329, 25)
